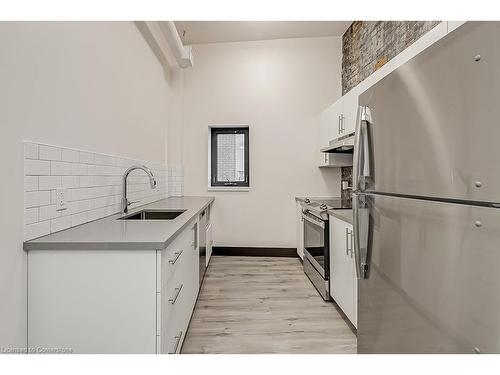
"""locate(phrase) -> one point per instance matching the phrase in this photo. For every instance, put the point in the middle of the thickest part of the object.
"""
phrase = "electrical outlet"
(61, 203)
(345, 185)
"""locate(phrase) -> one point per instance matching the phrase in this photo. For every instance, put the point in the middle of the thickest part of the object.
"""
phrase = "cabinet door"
(324, 133)
(210, 242)
(353, 316)
(349, 111)
(342, 276)
(329, 128)
(300, 231)
(336, 118)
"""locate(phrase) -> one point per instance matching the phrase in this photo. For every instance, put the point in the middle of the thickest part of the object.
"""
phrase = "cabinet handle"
(339, 125)
(342, 127)
(177, 255)
(176, 295)
(177, 340)
(352, 246)
(347, 247)
(346, 241)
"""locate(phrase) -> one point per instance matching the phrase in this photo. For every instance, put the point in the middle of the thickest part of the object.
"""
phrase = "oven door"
(316, 243)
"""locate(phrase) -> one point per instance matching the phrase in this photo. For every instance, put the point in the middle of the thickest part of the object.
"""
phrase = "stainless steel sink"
(153, 215)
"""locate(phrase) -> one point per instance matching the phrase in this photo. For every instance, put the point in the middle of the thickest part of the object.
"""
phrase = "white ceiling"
(197, 32)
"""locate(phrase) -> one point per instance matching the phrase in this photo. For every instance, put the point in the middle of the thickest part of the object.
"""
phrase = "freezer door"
(433, 128)
(431, 283)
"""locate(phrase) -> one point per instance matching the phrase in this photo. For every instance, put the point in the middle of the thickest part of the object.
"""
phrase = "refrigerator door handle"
(355, 229)
(361, 233)
(361, 166)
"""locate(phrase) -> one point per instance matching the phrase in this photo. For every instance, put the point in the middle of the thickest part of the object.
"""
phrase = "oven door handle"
(315, 222)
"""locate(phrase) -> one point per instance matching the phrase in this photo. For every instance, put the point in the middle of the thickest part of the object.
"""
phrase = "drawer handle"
(176, 295)
(177, 339)
(347, 247)
(177, 255)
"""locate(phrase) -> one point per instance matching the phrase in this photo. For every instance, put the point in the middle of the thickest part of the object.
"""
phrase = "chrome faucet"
(152, 183)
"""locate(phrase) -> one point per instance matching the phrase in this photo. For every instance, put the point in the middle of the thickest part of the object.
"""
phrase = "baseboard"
(287, 252)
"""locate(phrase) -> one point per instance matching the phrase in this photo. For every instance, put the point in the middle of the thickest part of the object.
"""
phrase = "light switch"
(61, 203)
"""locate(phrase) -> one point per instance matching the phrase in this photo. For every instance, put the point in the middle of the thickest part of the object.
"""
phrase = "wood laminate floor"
(264, 305)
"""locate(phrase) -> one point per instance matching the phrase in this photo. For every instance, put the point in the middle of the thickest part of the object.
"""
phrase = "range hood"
(342, 145)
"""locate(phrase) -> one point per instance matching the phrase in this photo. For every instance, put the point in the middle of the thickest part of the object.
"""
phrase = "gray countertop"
(345, 215)
(112, 234)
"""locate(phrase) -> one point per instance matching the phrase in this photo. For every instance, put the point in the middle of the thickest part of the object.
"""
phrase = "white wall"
(278, 88)
(91, 86)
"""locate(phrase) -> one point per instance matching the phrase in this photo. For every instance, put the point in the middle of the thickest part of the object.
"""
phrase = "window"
(229, 157)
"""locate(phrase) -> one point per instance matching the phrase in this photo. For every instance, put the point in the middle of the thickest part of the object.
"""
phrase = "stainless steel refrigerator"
(427, 200)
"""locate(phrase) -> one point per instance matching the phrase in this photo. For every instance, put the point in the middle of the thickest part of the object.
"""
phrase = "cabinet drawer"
(175, 254)
(174, 316)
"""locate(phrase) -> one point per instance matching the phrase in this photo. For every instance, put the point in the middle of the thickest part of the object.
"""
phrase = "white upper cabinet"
(328, 128)
(349, 112)
(452, 25)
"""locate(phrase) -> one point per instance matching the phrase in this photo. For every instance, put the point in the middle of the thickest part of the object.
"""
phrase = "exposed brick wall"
(368, 45)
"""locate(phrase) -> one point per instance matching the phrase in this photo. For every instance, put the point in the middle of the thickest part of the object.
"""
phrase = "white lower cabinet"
(300, 231)
(180, 270)
(114, 301)
(210, 242)
(343, 281)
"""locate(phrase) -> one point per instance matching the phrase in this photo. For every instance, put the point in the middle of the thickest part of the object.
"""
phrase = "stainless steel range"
(316, 241)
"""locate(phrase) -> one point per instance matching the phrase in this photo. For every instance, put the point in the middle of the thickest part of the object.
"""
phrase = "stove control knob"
(307, 200)
(323, 206)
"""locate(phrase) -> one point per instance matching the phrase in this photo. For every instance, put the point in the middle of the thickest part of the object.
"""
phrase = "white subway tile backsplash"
(94, 183)
(30, 183)
(86, 157)
(101, 159)
(78, 194)
(36, 198)
(86, 205)
(31, 215)
(70, 155)
(49, 153)
(59, 168)
(79, 219)
(69, 182)
(79, 169)
(60, 223)
(48, 212)
(30, 150)
(105, 201)
(36, 167)
(36, 230)
(86, 181)
(95, 214)
(71, 208)
(49, 182)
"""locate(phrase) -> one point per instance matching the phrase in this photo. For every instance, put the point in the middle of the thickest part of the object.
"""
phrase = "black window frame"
(214, 131)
